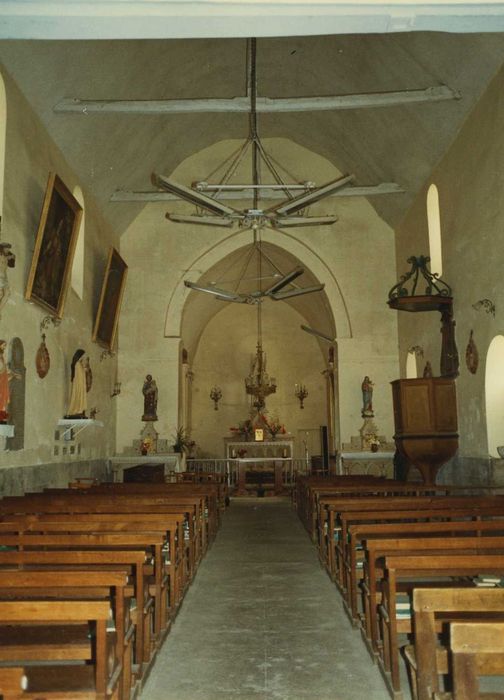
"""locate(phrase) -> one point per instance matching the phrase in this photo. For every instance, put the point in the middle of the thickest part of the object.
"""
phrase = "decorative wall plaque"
(42, 359)
(472, 358)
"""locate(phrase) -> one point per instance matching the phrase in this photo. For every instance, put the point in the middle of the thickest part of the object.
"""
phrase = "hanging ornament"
(472, 359)
(42, 359)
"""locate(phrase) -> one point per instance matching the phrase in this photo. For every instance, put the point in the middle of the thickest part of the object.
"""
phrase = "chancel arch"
(221, 340)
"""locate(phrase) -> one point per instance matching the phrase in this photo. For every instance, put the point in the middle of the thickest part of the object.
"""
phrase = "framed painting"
(107, 318)
(55, 243)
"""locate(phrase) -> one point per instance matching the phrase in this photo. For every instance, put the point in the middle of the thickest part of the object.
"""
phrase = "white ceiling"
(157, 19)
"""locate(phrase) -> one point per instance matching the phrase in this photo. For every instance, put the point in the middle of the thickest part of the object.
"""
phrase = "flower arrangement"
(274, 427)
(182, 441)
(241, 452)
(373, 441)
(244, 428)
(146, 446)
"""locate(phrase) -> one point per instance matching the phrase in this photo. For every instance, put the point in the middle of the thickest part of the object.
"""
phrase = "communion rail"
(229, 467)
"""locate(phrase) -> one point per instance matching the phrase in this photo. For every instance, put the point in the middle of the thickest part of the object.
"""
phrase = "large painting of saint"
(107, 318)
(54, 247)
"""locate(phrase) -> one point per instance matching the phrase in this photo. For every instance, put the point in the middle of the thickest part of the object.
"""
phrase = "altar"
(261, 464)
(281, 447)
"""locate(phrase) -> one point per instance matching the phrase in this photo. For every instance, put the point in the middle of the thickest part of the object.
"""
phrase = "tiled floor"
(262, 621)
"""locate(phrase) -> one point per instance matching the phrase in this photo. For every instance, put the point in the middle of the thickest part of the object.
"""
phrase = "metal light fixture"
(300, 393)
(116, 390)
(486, 304)
(216, 396)
(258, 383)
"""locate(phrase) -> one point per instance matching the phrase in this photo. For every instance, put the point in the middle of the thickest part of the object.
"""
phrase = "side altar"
(260, 463)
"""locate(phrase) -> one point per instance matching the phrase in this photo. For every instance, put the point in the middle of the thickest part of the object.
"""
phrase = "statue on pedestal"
(150, 392)
(367, 398)
(80, 383)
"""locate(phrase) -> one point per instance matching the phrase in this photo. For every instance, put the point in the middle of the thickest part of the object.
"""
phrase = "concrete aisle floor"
(262, 621)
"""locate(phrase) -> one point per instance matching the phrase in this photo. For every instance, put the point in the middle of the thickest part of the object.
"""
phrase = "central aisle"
(263, 621)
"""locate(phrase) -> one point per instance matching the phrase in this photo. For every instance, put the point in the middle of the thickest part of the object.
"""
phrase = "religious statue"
(150, 392)
(79, 385)
(427, 373)
(7, 259)
(6, 374)
(367, 398)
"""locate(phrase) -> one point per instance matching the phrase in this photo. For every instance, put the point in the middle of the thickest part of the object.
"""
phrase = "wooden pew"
(379, 504)
(477, 650)
(126, 505)
(13, 682)
(151, 543)
(71, 643)
(402, 525)
(84, 561)
(415, 571)
(166, 526)
(74, 682)
(307, 487)
(207, 494)
(377, 550)
(433, 609)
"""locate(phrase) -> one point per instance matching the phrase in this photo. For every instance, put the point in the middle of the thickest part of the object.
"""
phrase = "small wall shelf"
(6, 430)
(77, 424)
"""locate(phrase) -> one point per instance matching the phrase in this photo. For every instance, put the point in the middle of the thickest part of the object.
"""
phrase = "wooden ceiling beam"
(264, 105)
(154, 196)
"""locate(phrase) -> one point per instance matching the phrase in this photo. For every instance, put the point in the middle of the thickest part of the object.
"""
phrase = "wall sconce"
(486, 304)
(300, 393)
(216, 396)
(417, 350)
(106, 354)
(47, 321)
(116, 390)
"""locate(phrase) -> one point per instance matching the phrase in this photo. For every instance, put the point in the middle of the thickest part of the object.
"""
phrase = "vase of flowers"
(145, 446)
(274, 427)
(374, 443)
(182, 441)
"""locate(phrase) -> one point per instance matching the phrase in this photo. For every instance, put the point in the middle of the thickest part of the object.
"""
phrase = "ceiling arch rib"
(189, 312)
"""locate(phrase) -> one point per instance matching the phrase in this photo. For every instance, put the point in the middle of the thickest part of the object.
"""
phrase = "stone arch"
(288, 242)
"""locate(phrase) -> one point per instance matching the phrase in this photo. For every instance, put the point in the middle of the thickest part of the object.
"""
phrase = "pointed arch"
(310, 258)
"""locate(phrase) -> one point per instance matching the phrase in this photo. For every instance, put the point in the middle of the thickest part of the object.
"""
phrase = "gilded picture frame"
(57, 233)
(109, 308)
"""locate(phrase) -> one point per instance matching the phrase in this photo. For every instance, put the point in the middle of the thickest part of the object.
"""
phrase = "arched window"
(411, 365)
(434, 225)
(494, 394)
(78, 261)
(3, 130)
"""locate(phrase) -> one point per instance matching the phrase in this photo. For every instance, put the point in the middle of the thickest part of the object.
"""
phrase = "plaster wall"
(30, 155)
(355, 258)
(470, 180)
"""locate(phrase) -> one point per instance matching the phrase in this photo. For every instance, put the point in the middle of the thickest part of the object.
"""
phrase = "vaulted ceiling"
(399, 144)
